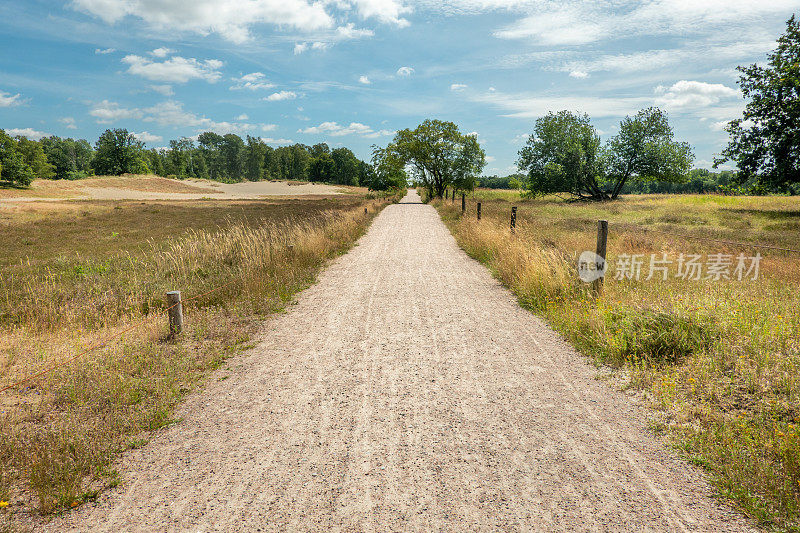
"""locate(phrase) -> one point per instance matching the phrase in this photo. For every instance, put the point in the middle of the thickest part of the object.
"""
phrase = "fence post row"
(514, 219)
(602, 240)
(479, 210)
(175, 312)
(463, 202)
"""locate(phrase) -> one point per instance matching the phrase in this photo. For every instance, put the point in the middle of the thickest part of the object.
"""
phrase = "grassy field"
(719, 360)
(75, 273)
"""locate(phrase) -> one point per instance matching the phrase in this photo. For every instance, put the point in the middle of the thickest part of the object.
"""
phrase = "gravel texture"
(406, 390)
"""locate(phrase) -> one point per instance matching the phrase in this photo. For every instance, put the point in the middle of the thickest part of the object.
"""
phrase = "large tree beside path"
(439, 155)
(565, 155)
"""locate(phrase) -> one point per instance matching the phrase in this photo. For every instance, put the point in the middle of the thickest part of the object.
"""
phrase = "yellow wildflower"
(3, 504)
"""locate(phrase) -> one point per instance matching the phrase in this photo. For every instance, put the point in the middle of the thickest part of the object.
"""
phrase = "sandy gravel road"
(406, 391)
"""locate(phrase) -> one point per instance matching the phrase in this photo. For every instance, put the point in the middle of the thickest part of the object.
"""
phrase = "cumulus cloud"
(281, 95)
(231, 19)
(68, 122)
(175, 69)
(687, 94)
(107, 112)
(457, 87)
(364, 80)
(9, 100)
(349, 31)
(579, 74)
(28, 133)
(335, 130)
(148, 137)
(386, 11)
(405, 71)
(270, 140)
(165, 90)
(104, 51)
(162, 52)
(253, 82)
(243, 116)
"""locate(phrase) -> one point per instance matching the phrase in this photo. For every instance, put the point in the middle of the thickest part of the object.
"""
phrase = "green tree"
(346, 167)
(439, 155)
(34, 157)
(179, 158)
(256, 153)
(322, 168)
(765, 142)
(645, 150)
(565, 155)
(388, 171)
(13, 167)
(232, 151)
(119, 152)
(71, 159)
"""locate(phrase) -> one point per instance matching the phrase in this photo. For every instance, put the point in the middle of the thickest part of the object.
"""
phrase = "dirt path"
(406, 390)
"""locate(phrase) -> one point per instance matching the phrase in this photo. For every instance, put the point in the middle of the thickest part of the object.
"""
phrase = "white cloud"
(243, 116)
(577, 22)
(386, 11)
(335, 130)
(270, 140)
(165, 90)
(171, 113)
(68, 122)
(693, 94)
(349, 31)
(148, 137)
(299, 48)
(107, 112)
(533, 106)
(175, 69)
(579, 74)
(281, 95)
(269, 127)
(232, 19)
(162, 52)
(253, 82)
(9, 100)
(457, 87)
(103, 51)
(364, 80)
(405, 71)
(29, 133)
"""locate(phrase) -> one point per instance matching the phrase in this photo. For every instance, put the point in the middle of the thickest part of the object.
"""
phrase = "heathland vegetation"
(718, 358)
(235, 263)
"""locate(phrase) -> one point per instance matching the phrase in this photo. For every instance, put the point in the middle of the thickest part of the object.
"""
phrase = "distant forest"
(226, 158)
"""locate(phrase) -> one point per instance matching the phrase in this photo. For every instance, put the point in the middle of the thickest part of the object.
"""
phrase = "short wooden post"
(446, 194)
(453, 197)
(602, 240)
(514, 219)
(175, 312)
(365, 210)
(463, 203)
(479, 210)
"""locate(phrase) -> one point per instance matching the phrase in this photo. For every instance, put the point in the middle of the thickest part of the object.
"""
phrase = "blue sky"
(351, 72)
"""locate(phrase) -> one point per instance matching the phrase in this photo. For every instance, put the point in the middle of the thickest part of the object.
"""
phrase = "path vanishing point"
(406, 391)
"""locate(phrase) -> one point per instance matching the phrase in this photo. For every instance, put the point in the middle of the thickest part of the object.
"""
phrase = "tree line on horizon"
(226, 158)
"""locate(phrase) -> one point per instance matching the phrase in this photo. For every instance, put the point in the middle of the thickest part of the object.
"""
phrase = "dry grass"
(720, 361)
(61, 433)
(134, 182)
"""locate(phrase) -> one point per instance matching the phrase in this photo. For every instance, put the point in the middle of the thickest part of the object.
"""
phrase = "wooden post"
(446, 194)
(453, 197)
(365, 210)
(175, 312)
(463, 203)
(479, 210)
(514, 219)
(602, 240)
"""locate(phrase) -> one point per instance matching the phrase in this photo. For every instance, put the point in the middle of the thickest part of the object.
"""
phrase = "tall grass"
(60, 434)
(718, 360)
